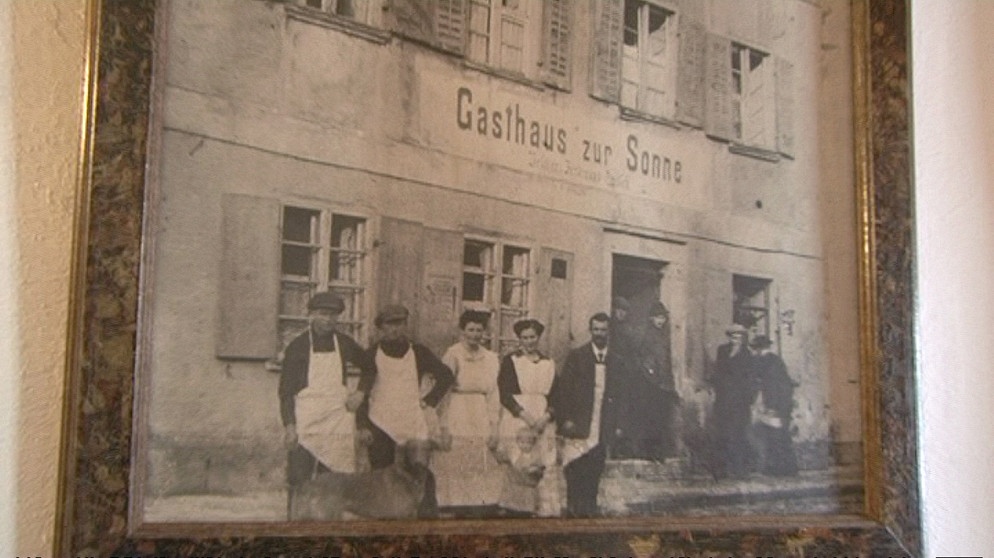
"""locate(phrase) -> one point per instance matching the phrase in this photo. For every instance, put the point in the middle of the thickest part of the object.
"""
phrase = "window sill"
(637, 115)
(754, 152)
(505, 74)
(338, 23)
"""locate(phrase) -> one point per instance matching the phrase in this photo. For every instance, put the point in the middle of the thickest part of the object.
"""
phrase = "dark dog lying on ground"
(405, 489)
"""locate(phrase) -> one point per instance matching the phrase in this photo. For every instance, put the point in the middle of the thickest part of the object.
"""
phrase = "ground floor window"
(497, 278)
(321, 250)
(751, 303)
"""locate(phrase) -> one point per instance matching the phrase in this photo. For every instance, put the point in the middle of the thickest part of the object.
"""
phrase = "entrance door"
(639, 281)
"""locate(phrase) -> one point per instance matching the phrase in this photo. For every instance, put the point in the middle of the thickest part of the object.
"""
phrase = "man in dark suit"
(584, 401)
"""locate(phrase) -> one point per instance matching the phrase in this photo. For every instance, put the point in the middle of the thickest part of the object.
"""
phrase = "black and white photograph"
(485, 259)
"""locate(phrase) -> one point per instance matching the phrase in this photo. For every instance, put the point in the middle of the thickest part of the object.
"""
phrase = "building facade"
(529, 158)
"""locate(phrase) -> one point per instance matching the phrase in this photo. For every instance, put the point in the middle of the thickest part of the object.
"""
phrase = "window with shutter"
(648, 59)
(558, 29)
(752, 97)
(505, 34)
(785, 107)
(606, 53)
(361, 18)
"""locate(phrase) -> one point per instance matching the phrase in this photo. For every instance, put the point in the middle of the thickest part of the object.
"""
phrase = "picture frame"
(96, 510)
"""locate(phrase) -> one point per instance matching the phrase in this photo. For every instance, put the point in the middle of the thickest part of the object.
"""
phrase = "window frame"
(741, 103)
(638, 109)
(357, 324)
(494, 289)
(371, 27)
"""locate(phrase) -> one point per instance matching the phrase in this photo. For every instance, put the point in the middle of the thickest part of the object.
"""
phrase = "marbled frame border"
(95, 470)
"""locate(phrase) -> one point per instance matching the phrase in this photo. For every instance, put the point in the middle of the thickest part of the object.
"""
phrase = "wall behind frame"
(42, 52)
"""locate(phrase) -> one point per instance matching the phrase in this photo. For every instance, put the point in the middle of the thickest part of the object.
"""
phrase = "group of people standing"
(506, 430)
(752, 408)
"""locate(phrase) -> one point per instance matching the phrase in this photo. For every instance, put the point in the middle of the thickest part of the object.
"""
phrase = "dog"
(406, 489)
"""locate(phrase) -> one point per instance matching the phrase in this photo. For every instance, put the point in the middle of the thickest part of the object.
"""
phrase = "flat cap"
(327, 300)
(736, 328)
(391, 313)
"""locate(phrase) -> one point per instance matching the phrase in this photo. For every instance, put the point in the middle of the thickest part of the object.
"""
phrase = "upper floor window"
(752, 97)
(649, 59)
(530, 39)
(358, 10)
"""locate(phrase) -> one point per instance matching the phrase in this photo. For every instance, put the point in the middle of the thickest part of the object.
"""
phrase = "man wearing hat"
(403, 386)
(651, 398)
(318, 396)
(735, 388)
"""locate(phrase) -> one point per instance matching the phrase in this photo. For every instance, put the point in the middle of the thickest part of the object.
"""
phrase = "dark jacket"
(296, 361)
(573, 392)
(508, 387)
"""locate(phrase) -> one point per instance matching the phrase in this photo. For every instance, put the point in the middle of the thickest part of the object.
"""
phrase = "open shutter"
(785, 107)
(398, 265)
(555, 283)
(413, 19)
(718, 88)
(557, 23)
(606, 60)
(250, 277)
(441, 23)
(440, 297)
(450, 24)
(690, 73)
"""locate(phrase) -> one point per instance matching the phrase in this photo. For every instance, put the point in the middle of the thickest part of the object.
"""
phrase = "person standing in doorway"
(775, 404)
(652, 399)
(735, 388)
(585, 397)
(318, 393)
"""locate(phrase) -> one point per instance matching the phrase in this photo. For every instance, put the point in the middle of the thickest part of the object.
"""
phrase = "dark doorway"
(638, 281)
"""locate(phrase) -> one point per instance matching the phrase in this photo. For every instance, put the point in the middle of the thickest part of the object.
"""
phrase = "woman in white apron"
(524, 381)
(466, 470)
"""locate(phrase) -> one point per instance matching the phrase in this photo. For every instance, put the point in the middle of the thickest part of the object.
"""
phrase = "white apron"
(324, 426)
(395, 400)
(573, 448)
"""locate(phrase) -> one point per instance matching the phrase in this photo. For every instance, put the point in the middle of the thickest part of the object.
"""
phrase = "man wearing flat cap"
(735, 388)
(318, 396)
(403, 385)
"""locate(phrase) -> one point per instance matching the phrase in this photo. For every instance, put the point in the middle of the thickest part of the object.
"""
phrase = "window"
(357, 10)
(753, 98)
(649, 59)
(504, 34)
(321, 250)
(497, 277)
(751, 303)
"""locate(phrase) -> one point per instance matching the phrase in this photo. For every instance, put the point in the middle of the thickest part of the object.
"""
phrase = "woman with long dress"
(524, 381)
(466, 468)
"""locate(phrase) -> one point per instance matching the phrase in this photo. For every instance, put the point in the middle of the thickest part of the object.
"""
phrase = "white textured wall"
(954, 123)
(41, 69)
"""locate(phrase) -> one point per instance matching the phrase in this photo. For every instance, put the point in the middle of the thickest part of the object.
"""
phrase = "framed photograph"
(494, 278)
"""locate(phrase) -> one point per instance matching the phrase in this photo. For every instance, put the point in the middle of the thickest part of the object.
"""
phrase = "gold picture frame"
(94, 516)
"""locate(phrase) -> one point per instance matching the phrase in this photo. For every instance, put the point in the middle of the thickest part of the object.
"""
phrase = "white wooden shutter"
(413, 19)
(690, 98)
(557, 31)
(249, 277)
(606, 54)
(450, 24)
(440, 291)
(555, 284)
(399, 264)
(718, 90)
(785, 107)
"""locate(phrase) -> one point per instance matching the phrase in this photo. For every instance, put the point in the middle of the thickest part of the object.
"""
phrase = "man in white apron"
(319, 394)
(404, 384)
(584, 398)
